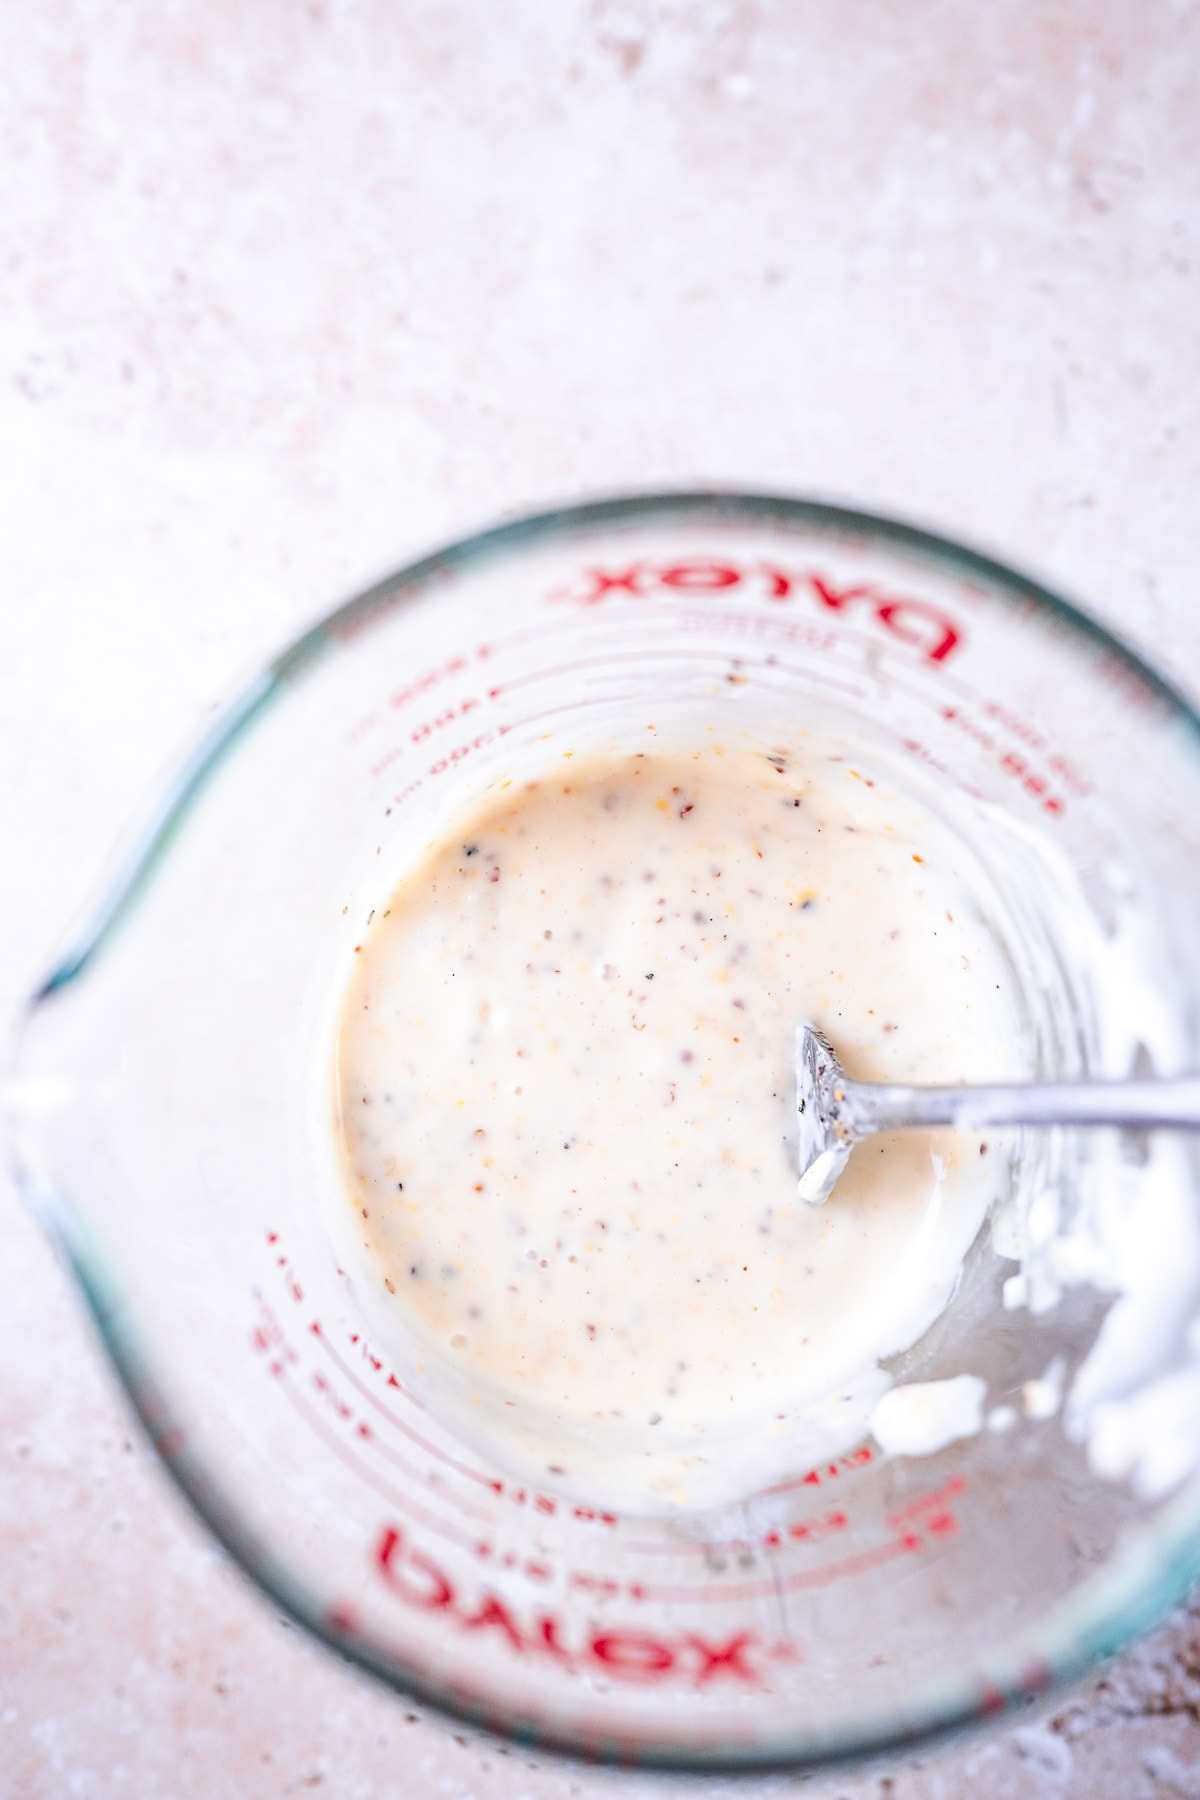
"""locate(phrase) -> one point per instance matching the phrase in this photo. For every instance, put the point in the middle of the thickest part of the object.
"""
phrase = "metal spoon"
(833, 1112)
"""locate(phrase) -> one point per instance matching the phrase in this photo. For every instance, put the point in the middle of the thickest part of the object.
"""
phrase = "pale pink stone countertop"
(291, 290)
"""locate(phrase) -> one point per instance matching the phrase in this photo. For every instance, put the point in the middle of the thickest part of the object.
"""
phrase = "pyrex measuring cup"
(165, 1127)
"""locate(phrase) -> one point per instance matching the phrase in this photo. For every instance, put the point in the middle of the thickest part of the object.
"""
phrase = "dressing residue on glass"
(565, 1093)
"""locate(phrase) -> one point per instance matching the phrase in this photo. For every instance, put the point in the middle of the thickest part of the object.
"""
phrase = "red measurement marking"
(927, 1506)
(421, 684)
(600, 1518)
(293, 1286)
(806, 1530)
(387, 759)
(361, 728)
(537, 633)
(1035, 740)
(608, 660)
(533, 1571)
(1013, 762)
(630, 1653)
(770, 626)
(268, 1338)
(825, 1576)
(449, 716)
(830, 1471)
(362, 1471)
(541, 1503)
(1068, 773)
(550, 712)
(461, 750)
(821, 681)
(268, 1335)
(1034, 784)
(329, 1394)
(393, 1419)
(419, 1477)
(593, 1584)
(917, 749)
(932, 1513)
(1016, 726)
(741, 622)
(799, 1531)
(544, 1504)
(954, 715)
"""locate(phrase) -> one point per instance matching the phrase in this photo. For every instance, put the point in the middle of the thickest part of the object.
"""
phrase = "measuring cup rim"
(1104, 1613)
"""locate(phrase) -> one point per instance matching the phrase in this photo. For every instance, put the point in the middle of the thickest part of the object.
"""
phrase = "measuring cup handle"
(1173, 1103)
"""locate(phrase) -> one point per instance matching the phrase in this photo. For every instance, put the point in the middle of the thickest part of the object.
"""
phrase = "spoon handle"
(865, 1107)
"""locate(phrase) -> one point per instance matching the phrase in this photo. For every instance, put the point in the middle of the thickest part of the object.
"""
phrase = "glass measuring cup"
(165, 1125)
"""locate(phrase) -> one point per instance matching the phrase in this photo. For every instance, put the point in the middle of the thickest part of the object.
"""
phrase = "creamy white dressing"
(566, 1101)
(921, 1417)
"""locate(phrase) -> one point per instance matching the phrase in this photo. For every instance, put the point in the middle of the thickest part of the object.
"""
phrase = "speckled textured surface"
(290, 291)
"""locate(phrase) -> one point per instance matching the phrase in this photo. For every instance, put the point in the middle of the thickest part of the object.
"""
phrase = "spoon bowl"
(833, 1113)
